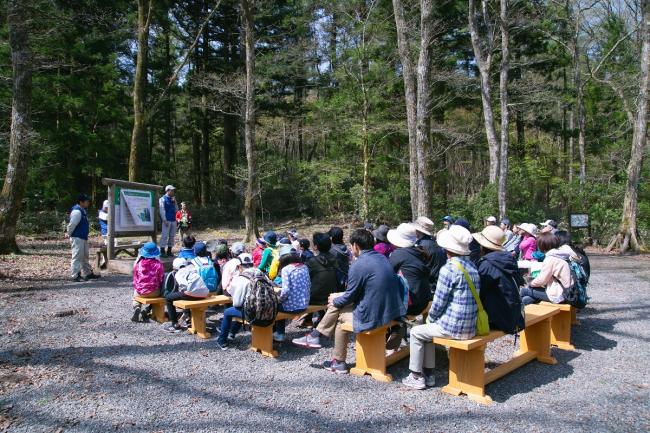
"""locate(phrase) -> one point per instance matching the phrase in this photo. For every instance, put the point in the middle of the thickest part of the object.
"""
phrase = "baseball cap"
(491, 219)
(170, 188)
(245, 259)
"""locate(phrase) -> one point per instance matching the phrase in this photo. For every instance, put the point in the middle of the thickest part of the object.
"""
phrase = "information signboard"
(134, 210)
(579, 220)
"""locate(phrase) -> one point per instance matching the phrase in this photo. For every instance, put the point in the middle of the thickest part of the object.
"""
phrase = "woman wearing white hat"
(411, 262)
(528, 243)
(453, 311)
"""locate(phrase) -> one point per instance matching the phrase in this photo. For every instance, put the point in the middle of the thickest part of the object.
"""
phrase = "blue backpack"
(576, 295)
(207, 272)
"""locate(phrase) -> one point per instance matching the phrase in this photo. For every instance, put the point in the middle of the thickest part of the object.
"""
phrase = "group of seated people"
(385, 275)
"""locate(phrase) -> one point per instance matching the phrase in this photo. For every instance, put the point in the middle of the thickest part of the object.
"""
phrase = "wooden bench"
(197, 309)
(262, 336)
(467, 373)
(371, 352)
(157, 307)
(561, 325)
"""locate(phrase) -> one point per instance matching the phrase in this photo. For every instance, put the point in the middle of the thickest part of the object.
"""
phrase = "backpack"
(207, 272)
(169, 284)
(261, 303)
(576, 295)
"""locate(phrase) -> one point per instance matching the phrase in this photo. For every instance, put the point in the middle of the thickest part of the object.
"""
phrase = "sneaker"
(231, 337)
(145, 315)
(136, 315)
(307, 341)
(278, 337)
(414, 382)
(172, 329)
(430, 381)
(335, 366)
(184, 321)
(221, 346)
(92, 276)
(78, 279)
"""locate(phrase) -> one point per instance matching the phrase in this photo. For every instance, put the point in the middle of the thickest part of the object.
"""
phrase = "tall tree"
(483, 53)
(505, 118)
(252, 185)
(138, 135)
(628, 238)
(21, 117)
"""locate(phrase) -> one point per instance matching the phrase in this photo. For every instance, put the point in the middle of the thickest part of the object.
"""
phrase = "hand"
(166, 224)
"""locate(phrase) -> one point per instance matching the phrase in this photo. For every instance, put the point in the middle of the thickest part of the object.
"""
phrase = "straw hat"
(424, 225)
(491, 237)
(455, 240)
(403, 236)
(529, 228)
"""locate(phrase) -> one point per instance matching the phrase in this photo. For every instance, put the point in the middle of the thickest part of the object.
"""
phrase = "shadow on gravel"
(57, 284)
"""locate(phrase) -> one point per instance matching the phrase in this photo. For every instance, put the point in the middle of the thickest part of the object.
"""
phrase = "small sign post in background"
(580, 221)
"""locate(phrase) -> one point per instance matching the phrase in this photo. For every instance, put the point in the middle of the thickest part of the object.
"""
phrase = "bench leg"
(467, 374)
(574, 319)
(537, 338)
(371, 355)
(158, 311)
(561, 330)
(262, 340)
(198, 323)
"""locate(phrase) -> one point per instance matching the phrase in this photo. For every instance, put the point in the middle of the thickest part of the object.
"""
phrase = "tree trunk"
(410, 95)
(423, 137)
(229, 157)
(628, 238)
(578, 113)
(15, 180)
(484, 63)
(205, 120)
(168, 101)
(139, 84)
(505, 119)
(252, 188)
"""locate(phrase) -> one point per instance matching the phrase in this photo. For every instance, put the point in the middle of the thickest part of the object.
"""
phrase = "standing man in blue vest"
(77, 231)
(167, 208)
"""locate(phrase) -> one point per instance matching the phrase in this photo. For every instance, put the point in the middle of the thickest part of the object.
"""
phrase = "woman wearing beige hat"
(500, 281)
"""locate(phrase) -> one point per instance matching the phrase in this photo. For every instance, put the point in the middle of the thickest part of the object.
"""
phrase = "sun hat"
(491, 237)
(200, 248)
(529, 228)
(455, 240)
(221, 250)
(551, 223)
(245, 259)
(368, 226)
(170, 188)
(424, 225)
(287, 249)
(491, 219)
(106, 204)
(238, 248)
(150, 251)
(179, 262)
(271, 237)
(403, 236)
(448, 218)
(381, 232)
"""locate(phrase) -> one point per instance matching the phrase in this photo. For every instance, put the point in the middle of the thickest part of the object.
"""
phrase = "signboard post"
(132, 211)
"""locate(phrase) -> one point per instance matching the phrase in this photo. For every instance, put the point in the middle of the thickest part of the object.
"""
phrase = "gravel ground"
(70, 365)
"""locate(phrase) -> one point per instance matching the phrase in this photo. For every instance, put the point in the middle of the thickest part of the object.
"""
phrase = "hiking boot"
(414, 382)
(169, 252)
(221, 346)
(307, 341)
(78, 279)
(430, 381)
(92, 276)
(278, 337)
(136, 315)
(335, 366)
(172, 329)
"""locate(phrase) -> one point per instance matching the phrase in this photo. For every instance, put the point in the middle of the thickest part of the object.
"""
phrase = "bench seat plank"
(197, 308)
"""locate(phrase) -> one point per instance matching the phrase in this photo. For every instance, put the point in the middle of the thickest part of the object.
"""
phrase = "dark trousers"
(280, 325)
(530, 295)
(228, 326)
(169, 301)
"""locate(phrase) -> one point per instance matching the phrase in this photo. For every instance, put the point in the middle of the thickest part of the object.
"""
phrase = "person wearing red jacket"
(184, 220)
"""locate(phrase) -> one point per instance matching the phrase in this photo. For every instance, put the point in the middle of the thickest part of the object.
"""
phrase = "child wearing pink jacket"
(148, 276)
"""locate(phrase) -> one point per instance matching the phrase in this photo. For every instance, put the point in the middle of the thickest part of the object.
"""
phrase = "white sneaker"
(278, 337)
(414, 382)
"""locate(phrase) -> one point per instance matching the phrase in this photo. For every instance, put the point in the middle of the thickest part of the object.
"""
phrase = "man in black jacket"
(437, 258)
(500, 281)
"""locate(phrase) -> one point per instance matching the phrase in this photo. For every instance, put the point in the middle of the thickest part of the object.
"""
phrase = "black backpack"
(261, 303)
(169, 284)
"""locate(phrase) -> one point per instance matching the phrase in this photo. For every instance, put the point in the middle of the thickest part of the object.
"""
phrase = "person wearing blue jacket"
(77, 231)
(372, 299)
(167, 209)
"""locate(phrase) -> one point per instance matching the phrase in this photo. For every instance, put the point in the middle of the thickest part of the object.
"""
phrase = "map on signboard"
(134, 210)
(579, 220)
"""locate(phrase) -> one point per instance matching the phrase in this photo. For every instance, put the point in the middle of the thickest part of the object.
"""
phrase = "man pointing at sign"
(167, 207)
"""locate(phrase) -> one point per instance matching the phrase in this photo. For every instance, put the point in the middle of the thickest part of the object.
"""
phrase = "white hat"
(424, 225)
(170, 188)
(491, 219)
(547, 223)
(238, 248)
(245, 259)
(491, 237)
(179, 262)
(456, 240)
(529, 228)
(403, 236)
(106, 204)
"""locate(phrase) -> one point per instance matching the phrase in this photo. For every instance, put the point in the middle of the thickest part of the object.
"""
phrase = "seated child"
(148, 274)
(238, 290)
(187, 252)
(296, 287)
(260, 246)
(554, 276)
(305, 252)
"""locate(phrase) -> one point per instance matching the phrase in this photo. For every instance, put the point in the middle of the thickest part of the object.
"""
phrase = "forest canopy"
(377, 109)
